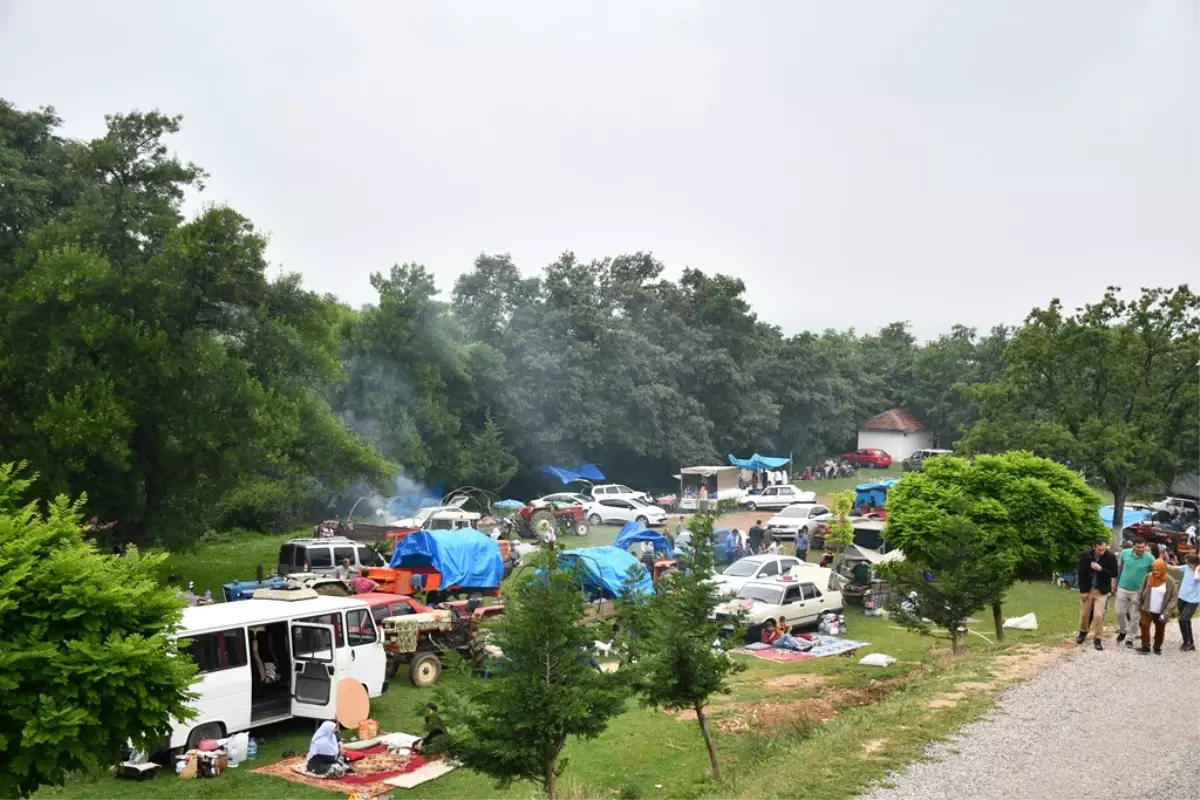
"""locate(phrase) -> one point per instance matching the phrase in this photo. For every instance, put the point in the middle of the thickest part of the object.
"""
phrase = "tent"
(604, 570)
(584, 472)
(859, 553)
(1131, 516)
(634, 532)
(865, 492)
(757, 462)
(464, 557)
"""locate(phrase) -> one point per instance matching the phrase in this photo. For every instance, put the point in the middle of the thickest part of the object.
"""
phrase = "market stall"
(699, 486)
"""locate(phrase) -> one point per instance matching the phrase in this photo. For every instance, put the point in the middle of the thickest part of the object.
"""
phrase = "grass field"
(817, 728)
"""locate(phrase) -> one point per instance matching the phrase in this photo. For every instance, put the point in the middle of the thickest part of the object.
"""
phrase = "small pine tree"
(514, 725)
(675, 664)
(840, 531)
(969, 573)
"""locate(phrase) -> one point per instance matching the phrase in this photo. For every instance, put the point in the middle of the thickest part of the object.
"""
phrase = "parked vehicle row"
(799, 597)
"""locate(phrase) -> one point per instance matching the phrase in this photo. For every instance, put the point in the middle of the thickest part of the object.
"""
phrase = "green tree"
(676, 666)
(1111, 389)
(87, 663)
(1036, 515)
(969, 574)
(840, 530)
(489, 463)
(514, 726)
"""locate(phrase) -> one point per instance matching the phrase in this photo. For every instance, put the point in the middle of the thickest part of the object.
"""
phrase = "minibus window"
(214, 652)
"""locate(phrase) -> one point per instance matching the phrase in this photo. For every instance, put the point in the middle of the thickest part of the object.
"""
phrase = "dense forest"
(149, 361)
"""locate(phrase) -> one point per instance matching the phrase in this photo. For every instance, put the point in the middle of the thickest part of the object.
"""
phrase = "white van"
(263, 661)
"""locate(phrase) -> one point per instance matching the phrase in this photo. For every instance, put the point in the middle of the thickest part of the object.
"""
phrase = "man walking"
(1132, 567)
(802, 544)
(756, 537)
(1097, 580)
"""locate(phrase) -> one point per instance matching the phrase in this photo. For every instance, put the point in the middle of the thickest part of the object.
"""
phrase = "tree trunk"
(1118, 525)
(551, 780)
(954, 640)
(712, 753)
(998, 619)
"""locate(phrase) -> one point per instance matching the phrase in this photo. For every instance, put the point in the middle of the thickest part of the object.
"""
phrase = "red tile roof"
(897, 419)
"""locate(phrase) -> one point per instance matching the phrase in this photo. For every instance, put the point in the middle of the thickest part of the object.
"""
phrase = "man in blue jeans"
(802, 545)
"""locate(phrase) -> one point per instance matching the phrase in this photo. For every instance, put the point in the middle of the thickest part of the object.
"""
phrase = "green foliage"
(514, 725)
(1112, 389)
(840, 531)
(87, 663)
(675, 665)
(970, 574)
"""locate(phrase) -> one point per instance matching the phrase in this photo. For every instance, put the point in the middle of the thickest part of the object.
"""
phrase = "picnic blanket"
(822, 646)
(416, 770)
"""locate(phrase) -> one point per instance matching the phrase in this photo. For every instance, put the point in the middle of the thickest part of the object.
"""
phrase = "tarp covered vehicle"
(657, 553)
(604, 571)
(443, 562)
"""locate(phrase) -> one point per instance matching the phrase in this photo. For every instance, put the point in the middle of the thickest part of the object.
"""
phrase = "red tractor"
(535, 522)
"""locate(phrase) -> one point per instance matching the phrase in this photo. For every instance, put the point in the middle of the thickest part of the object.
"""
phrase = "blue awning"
(1130, 516)
(759, 462)
(584, 472)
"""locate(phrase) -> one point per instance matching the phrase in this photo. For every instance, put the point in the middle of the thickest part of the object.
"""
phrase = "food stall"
(717, 483)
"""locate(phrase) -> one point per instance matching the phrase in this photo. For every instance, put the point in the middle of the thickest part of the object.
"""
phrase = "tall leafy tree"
(88, 663)
(1111, 389)
(1034, 514)
(515, 725)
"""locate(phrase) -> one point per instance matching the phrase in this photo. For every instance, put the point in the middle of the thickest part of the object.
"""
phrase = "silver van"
(321, 556)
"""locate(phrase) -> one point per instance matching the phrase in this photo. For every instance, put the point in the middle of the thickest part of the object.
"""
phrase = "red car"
(384, 605)
(868, 457)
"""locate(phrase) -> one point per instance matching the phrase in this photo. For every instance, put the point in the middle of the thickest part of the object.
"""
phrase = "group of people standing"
(739, 544)
(1145, 591)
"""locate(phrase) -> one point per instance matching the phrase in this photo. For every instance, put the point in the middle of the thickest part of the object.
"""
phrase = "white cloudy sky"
(852, 162)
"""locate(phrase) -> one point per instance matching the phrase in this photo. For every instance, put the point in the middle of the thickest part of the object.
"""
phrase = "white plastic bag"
(877, 660)
(1025, 623)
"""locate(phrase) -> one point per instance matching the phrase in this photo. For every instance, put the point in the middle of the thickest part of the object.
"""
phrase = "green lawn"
(767, 726)
(826, 488)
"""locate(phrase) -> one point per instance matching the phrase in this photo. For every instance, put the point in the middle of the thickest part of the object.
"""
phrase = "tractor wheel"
(425, 670)
(581, 529)
(541, 523)
(594, 519)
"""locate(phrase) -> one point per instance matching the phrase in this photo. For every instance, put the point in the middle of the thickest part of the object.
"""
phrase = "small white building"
(897, 432)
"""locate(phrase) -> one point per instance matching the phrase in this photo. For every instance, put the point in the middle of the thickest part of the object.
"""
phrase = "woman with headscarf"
(325, 750)
(1157, 599)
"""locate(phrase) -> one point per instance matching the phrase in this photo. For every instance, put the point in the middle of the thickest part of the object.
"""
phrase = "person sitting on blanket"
(437, 728)
(325, 752)
(785, 641)
(769, 632)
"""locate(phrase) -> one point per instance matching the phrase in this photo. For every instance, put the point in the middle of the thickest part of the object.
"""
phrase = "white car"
(442, 518)
(1176, 505)
(753, 568)
(797, 517)
(799, 600)
(617, 491)
(564, 499)
(617, 512)
(777, 497)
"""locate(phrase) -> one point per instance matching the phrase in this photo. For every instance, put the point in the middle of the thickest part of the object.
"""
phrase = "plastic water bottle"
(231, 752)
(252, 750)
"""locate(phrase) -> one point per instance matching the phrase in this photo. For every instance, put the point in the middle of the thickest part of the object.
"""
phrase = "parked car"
(913, 462)
(777, 497)
(808, 517)
(449, 517)
(868, 457)
(753, 568)
(799, 601)
(384, 605)
(617, 511)
(1177, 505)
(684, 549)
(563, 498)
(617, 491)
(321, 556)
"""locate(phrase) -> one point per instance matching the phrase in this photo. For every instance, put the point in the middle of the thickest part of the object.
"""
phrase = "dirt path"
(1115, 724)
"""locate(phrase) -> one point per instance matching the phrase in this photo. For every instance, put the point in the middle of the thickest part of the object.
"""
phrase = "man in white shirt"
(1191, 534)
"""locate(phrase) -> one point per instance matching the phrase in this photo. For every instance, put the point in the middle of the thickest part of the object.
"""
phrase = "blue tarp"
(604, 570)
(759, 462)
(465, 557)
(634, 532)
(584, 472)
(1131, 516)
(864, 492)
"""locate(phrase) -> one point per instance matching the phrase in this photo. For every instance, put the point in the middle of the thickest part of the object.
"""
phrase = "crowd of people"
(1145, 593)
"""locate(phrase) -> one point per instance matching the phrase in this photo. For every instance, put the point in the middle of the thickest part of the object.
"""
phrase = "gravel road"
(1115, 724)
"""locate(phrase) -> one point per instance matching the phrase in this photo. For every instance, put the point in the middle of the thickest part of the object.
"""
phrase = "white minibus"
(266, 660)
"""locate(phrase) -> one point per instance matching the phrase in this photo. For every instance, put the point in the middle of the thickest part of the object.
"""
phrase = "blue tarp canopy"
(508, 504)
(1131, 516)
(634, 532)
(864, 492)
(604, 570)
(465, 557)
(759, 462)
(584, 472)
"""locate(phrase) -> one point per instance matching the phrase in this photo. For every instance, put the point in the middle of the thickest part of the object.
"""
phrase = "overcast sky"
(853, 163)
